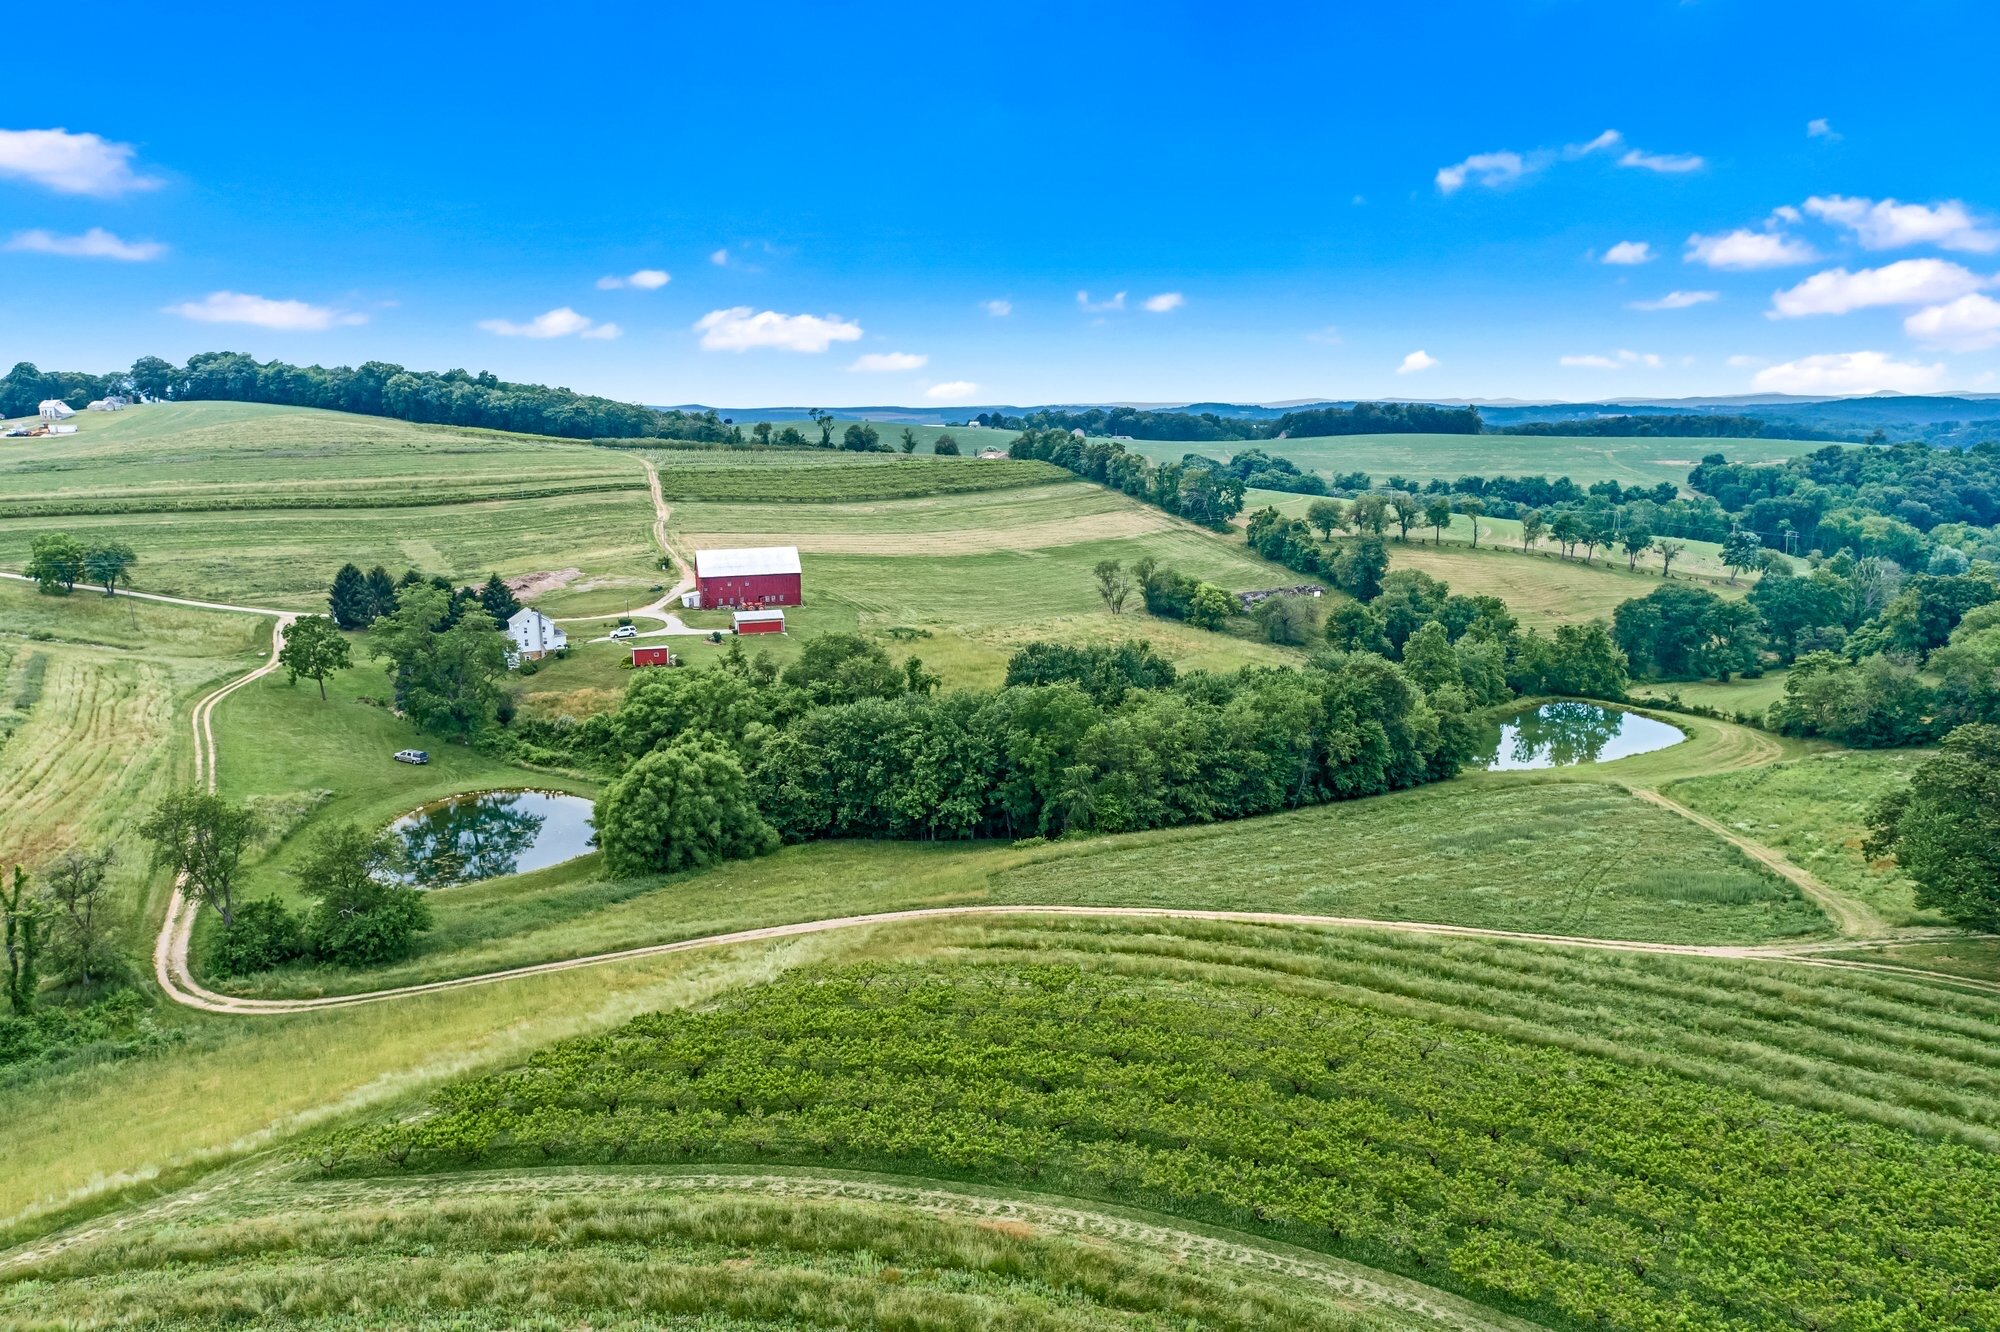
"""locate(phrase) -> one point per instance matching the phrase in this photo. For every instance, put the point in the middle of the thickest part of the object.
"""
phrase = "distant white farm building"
(55, 409)
(534, 634)
(114, 403)
(1077, 433)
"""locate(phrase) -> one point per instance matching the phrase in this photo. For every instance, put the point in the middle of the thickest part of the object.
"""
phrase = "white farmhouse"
(55, 409)
(535, 635)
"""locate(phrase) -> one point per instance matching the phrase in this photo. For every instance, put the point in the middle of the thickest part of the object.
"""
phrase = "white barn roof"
(760, 616)
(746, 562)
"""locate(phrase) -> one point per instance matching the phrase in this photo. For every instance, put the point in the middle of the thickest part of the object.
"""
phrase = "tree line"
(1363, 418)
(1199, 489)
(1675, 425)
(376, 388)
(710, 765)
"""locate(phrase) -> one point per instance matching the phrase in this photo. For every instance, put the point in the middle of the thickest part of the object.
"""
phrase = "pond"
(489, 833)
(1560, 735)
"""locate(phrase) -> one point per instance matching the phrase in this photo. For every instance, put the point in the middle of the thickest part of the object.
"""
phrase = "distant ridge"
(1864, 414)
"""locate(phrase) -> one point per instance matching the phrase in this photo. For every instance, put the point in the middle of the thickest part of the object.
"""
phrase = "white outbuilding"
(55, 409)
(535, 634)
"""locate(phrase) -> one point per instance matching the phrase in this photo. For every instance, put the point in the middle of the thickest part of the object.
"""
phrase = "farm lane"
(1849, 915)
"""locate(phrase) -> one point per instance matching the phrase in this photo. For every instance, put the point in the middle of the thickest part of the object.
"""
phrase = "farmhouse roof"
(760, 616)
(527, 615)
(745, 562)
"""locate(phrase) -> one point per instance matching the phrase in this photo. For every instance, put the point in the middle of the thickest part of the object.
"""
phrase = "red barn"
(747, 579)
(652, 656)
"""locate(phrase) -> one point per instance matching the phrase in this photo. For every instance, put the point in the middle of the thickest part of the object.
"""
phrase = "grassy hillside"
(243, 502)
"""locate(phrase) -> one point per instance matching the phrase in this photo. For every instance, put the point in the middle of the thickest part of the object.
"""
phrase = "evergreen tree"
(498, 599)
(381, 592)
(349, 600)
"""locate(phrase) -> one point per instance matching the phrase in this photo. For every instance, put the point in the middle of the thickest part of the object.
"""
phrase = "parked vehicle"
(413, 756)
(625, 631)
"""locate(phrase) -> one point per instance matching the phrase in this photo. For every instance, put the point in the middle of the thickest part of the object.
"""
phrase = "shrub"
(264, 935)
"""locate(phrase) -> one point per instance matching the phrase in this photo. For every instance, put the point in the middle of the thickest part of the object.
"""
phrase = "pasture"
(1583, 459)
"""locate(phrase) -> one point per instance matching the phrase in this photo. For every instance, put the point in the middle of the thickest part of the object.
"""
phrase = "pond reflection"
(490, 833)
(1563, 734)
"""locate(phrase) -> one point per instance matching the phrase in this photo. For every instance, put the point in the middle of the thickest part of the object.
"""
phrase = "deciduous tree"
(77, 890)
(1944, 828)
(55, 562)
(315, 648)
(682, 807)
(108, 561)
(1114, 585)
(201, 839)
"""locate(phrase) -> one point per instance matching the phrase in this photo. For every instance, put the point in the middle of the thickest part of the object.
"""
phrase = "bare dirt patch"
(535, 584)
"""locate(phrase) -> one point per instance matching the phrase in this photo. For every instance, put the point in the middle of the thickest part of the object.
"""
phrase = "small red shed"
(748, 579)
(652, 656)
(760, 622)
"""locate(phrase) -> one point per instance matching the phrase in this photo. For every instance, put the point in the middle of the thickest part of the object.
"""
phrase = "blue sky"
(1030, 203)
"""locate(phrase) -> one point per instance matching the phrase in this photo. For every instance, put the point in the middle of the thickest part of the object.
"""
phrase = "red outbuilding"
(747, 579)
(760, 622)
(652, 656)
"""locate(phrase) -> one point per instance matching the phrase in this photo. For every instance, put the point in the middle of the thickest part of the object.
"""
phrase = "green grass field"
(1739, 695)
(1815, 811)
(1577, 858)
(1582, 459)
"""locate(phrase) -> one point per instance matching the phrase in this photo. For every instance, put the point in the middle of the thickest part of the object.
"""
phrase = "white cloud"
(1905, 282)
(229, 307)
(602, 332)
(1629, 252)
(557, 323)
(998, 309)
(1488, 169)
(739, 329)
(97, 243)
(1416, 361)
(1624, 358)
(646, 279)
(1747, 362)
(1888, 225)
(881, 362)
(1744, 249)
(1970, 323)
(720, 258)
(1821, 129)
(952, 390)
(1849, 372)
(1784, 213)
(71, 163)
(1165, 301)
(1667, 163)
(1602, 143)
(1084, 303)
(1675, 300)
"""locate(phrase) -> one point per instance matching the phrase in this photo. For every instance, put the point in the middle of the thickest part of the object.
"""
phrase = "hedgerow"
(1578, 1189)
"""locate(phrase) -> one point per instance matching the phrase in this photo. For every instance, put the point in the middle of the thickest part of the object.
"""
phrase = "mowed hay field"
(94, 696)
(247, 503)
(1582, 459)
